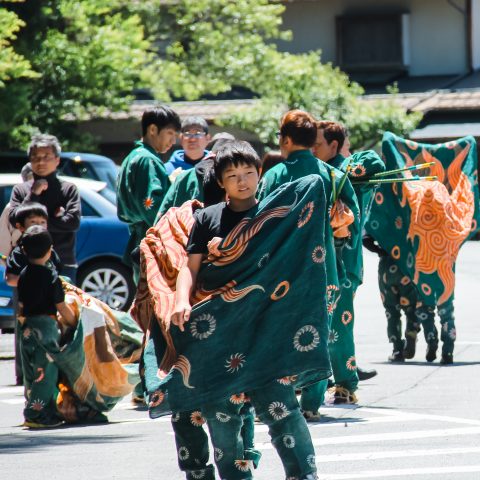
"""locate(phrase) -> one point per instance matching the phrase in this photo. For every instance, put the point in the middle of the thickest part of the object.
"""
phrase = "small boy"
(237, 169)
(40, 296)
(27, 214)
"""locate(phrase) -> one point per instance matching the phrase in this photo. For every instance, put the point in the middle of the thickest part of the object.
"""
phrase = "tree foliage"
(77, 58)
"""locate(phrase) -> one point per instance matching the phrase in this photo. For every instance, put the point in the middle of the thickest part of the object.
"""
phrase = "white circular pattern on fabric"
(311, 461)
(183, 453)
(289, 441)
(374, 224)
(222, 417)
(306, 339)
(393, 269)
(278, 410)
(347, 283)
(388, 315)
(203, 326)
(263, 260)
(409, 260)
(218, 454)
(318, 254)
(332, 336)
(197, 474)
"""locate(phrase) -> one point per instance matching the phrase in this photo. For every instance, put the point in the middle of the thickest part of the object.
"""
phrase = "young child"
(27, 214)
(237, 169)
(40, 296)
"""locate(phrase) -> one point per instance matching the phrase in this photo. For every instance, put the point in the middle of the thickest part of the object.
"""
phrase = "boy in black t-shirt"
(40, 297)
(237, 170)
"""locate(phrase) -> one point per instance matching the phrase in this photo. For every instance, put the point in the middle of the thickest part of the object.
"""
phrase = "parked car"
(73, 164)
(101, 242)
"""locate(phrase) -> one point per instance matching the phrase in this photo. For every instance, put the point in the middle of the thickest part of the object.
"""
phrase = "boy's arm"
(186, 280)
(67, 314)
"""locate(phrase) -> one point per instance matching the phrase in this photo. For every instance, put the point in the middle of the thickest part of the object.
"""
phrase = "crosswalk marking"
(401, 472)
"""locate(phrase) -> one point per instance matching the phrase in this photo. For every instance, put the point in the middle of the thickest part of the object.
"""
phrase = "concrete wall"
(437, 30)
(476, 34)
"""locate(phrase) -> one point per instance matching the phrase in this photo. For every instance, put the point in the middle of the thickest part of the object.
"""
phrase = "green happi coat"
(186, 187)
(342, 344)
(142, 184)
(262, 323)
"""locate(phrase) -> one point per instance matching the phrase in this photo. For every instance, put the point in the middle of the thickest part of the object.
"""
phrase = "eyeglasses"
(38, 158)
(193, 134)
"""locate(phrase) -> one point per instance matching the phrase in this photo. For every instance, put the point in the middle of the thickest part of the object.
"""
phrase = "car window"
(5, 194)
(79, 169)
(88, 210)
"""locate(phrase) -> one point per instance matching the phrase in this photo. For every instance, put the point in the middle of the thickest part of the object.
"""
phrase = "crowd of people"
(247, 270)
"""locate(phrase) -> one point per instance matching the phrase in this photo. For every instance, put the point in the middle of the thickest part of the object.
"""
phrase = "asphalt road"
(415, 419)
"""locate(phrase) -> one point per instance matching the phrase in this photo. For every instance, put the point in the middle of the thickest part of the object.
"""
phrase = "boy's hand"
(181, 315)
(39, 186)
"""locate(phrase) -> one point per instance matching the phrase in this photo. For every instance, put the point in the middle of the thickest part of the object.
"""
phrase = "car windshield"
(103, 171)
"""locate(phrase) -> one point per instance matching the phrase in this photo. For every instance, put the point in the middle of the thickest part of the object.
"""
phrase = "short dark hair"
(36, 241)
(194, 121)
(333, 131)
(212, 192)
(235, 153)
(162, 117)
(270, 159)
(30, 209)
(300, 127)
(218, 139)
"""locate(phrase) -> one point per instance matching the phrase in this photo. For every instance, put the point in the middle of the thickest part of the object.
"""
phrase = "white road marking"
(376, 455)
(401, 472)
(10, 390)
(390, 436)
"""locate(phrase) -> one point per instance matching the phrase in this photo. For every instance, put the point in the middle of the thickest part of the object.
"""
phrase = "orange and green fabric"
(423, 224)
(242, 333)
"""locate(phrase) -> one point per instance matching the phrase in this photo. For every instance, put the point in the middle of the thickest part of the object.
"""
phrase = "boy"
(26, 215)
(40, 296)
(143, 180)
(237, 169)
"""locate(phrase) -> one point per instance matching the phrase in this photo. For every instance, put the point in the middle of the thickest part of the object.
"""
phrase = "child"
(237, 171)
(398, 293)
(27, 214)
(40, 296)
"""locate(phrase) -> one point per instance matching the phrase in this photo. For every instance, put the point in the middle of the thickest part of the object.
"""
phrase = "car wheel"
(110, 282)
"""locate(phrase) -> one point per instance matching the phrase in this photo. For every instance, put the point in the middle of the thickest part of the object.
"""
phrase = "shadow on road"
(21, 442)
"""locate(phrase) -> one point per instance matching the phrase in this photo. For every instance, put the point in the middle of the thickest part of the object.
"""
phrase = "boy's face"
(240, 183)
(162, 140)
(32, 220)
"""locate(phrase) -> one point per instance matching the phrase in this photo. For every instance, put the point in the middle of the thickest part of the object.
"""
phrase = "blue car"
(101, 242)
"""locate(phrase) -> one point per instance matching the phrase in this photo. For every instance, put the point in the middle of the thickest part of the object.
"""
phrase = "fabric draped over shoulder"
(423, 224)
(255, 319)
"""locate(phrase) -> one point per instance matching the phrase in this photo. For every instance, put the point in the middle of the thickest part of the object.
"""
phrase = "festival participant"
(332, 146)
(419, 220)
(237, 169)
(143, 180)
(298, 133)
(398, 293)
(194, 138)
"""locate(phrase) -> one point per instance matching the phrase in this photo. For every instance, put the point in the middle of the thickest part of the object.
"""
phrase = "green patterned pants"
(398, 294)
(426, 315)
(341, 341)
(276, 406)
(40, 333)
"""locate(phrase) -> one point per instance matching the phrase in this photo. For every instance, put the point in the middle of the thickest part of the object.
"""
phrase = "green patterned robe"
(142, 184)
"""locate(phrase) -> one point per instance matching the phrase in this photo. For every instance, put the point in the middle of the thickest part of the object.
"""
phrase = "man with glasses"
(194, 138)
(61, 199)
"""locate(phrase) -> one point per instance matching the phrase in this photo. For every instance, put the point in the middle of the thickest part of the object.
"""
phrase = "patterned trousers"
(39, 371)
(341, 342)
(275, 405)
(398, 294)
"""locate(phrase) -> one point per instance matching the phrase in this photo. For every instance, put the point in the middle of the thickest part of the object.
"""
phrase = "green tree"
(89, 56)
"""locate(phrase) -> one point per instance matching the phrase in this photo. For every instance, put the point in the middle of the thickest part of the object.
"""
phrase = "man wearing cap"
(194, 138)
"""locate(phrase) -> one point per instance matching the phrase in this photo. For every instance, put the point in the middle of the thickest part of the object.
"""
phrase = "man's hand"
(39, 186)
(181, 315)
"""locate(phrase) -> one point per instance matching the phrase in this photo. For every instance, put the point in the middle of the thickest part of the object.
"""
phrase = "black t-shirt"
(39, 289)
(214, 221)
(17, 261)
